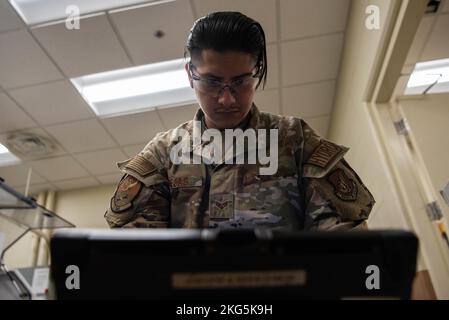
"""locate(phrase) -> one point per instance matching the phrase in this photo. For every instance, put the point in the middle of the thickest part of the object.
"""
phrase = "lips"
(228, 111)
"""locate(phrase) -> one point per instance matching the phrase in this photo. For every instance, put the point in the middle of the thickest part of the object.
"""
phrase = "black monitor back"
(239, 264)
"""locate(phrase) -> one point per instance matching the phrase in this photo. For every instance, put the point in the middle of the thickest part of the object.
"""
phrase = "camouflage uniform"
(313, 189)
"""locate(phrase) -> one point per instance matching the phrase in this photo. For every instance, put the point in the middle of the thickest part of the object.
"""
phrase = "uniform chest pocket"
(268, 192)
(186, 196)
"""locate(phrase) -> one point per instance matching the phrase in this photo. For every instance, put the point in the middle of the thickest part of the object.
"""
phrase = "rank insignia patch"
(344, 187)
(221, 206)
(127, 190)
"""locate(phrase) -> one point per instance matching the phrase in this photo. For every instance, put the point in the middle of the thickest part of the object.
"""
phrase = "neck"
(242, 124)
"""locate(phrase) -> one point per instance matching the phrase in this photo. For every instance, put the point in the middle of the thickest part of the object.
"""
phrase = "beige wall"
(19, 256)
(428, 117)
(351, 124)
(85, 207)
(378, 154)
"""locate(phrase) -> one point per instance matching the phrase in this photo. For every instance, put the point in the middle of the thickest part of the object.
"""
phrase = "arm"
(335, 197)
(142, 197)
(338, 201)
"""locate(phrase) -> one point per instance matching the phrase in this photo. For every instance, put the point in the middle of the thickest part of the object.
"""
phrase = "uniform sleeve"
(142, 197)
(335, 197)
(337, 201)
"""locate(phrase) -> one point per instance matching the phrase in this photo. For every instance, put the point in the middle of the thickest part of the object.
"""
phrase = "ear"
(186, 67)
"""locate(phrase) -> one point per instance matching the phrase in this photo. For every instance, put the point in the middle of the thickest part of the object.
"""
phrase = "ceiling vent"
(30, 145)
(432, 6)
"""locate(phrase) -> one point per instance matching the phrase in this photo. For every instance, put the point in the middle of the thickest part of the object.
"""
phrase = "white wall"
(428, 117)
(351, 123)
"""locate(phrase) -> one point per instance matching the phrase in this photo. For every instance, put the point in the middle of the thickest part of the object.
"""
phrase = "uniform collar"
(252, 121)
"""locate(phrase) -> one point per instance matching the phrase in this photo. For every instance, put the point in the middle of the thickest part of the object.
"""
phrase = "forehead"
(223, 64)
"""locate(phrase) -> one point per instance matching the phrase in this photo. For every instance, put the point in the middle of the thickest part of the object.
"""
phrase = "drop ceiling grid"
(195, 7)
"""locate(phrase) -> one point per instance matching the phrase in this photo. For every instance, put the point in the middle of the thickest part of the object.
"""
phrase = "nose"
(226, 98)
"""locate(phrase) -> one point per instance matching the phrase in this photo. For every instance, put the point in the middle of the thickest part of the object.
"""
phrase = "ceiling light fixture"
(6, 157)
(131, 90)
(41, 11)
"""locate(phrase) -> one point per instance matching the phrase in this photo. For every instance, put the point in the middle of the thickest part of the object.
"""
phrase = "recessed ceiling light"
(6, 157)
(136, 89)
(40, 11)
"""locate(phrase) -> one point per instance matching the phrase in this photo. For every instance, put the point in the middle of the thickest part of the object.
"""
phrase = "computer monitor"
(237, 264)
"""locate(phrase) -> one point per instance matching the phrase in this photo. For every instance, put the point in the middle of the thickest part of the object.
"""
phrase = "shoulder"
(291, 131)
(318, 155)
(150, 164)
(158, 149)
(274, 121)
(288, 125)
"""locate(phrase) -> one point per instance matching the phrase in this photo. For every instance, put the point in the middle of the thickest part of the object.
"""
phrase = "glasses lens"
(215, 88)
(209, 88)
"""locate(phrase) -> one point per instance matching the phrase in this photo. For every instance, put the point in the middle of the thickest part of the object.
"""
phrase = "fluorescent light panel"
(40, 11)
(425, 74)
(6, 157)
(3, 149)
(164, 84)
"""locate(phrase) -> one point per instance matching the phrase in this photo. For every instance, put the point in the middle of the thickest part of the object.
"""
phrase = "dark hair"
(227, 31)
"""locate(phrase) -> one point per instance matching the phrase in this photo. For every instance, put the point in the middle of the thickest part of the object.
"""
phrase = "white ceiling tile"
(173, 117)
(36, 131)
(309, 100)
(134, 128)
(445, 7)
(35, 189)
(305, 18)
(16, 175)
(421, 36)
(80, 136)
(311, 60)
(77, 183)
(22, 61)
(319, 124)
(273, 67)
(137, 28)
(101, 162)
(267, 100)
(110, 178)
(92, 48)
(438, 45)
(61, 168)
(263, 11)
(52, 103)
(9, 20)
(133, 150)
(12, 117)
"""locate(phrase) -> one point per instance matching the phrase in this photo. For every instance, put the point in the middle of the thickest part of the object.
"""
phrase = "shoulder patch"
(127, 190)
(344, 187)
(324, 154)
(141, 166)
